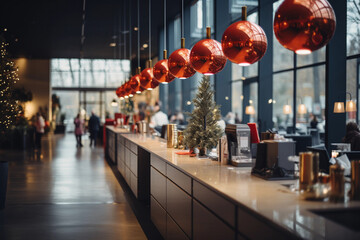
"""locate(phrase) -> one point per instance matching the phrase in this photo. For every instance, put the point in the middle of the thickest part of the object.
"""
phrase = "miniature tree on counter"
(203, 130)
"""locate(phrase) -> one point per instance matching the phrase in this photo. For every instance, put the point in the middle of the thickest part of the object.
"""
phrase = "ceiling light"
(145, 45)
(112, 44)
(136, 28)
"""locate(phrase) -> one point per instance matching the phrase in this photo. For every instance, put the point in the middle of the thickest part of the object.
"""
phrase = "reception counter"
(192, 198)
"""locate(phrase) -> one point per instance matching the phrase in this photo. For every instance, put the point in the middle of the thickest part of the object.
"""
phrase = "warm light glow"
(244, 64)
(208, 74)
(350, 106)
(303, 51)
(114, 103)
(112, 44)
(339, 107)
(131, 95)
(250, 110)
(302, 109)
(126, 96)
(164, 83)
(188, 103)
(287, 109)
(145, 45)
(138, 92)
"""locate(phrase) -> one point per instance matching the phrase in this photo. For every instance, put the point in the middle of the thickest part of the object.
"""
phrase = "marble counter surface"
(270, 199)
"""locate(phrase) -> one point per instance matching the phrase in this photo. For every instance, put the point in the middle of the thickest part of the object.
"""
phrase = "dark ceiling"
(52, 28)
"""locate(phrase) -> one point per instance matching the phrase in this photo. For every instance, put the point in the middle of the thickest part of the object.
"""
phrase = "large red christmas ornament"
(135, 83)
(179, 62)
(244, 42)
(127, 89)
(154, 83)
(117, 92)
(161, 71)
(304, 26)
(206, 56)
(147, 77)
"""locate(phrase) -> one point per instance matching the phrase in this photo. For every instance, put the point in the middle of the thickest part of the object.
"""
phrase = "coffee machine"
(239, 144)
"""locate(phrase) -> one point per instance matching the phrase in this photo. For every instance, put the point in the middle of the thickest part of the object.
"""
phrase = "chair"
(315, 136)
(302, 142)
(323, 157)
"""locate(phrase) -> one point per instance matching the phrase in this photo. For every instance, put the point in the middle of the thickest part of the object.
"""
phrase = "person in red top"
(39, 130)
(79, 130)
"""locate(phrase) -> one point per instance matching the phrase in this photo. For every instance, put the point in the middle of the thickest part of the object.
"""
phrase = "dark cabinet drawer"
(158, 186)
(178, 177)
(173, 231)
(219, 205)
(158, 163)
(178, 206)
(208, 226)
(158, 216)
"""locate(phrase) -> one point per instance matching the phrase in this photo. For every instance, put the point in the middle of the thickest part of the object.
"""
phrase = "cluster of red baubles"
(301, 26)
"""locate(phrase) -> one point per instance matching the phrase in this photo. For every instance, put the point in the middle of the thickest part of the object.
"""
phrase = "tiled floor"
(65, 193)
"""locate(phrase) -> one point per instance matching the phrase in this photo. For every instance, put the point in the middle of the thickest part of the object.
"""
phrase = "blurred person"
(39, 130)
(159, 118)
(229, 118)
(237, 118)
(352, 136)
(79, 129)
(94, 128)
(314, 122)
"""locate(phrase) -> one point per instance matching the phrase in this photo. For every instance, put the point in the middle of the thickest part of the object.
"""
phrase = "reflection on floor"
(65, 192)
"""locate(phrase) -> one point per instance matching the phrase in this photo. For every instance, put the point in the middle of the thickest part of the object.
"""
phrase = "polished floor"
(65, 192)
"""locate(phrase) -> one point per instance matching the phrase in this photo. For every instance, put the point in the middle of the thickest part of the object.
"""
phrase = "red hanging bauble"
(127, 89)
(244, 42)
(118, 92)
(135, 83)
(154, 83)
(147, 77)
(179, 62)
(206, 56)
(304, 26)
(161, 71)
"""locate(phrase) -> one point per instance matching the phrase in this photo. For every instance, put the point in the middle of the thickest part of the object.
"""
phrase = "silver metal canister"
(171, 136)
(143, 127)
(309, 169)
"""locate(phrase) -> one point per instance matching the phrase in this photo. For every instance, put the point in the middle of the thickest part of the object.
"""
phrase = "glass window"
(237, 98)
(196, 22)
(353, 27)
(94, 72)
(352, 78)
(177, 33)
(310, 92)
(314, 57)
(236, 5)
(283, 91)
(254, 100)
(199, 21)
(282, 57)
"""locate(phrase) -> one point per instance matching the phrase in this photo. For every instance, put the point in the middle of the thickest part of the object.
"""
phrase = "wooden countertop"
(270, 199)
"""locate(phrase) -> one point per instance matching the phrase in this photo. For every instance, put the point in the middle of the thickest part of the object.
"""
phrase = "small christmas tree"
(203, 130)
(8, 77)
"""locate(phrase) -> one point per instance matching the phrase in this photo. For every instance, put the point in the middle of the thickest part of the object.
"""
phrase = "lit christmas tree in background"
(8, 77)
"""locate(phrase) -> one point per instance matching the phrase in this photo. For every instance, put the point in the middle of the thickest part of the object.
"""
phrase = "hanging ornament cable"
(138, 19)
(150, 33)
(165, 52)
